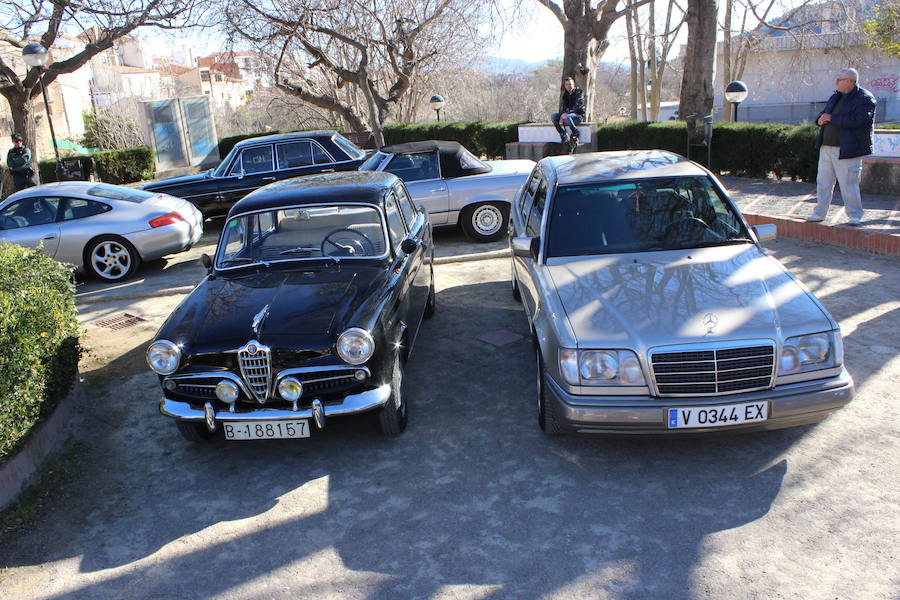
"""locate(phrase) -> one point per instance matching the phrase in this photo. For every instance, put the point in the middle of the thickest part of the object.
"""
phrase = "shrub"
(125, 166)
(488, 139)
(47, 167)
(39, 337)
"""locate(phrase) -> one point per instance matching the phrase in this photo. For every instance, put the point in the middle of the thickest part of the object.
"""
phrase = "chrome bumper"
(789, 405)
(351, 404)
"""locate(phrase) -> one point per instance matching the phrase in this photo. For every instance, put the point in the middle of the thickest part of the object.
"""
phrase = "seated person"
(571, 111)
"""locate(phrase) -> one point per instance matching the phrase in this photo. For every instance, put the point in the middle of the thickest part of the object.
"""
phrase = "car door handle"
(327, 171)
(50, 237)
(270, 178)
(437, 190)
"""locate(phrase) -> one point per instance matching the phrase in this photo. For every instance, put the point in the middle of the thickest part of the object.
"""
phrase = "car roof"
(340, 187)
(281, 137)
(626, 164)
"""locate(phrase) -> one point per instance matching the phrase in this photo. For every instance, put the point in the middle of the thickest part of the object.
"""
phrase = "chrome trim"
(255, 351)
(707, 347)
(209, 415)
(302, 370)
(318, 413)
(351, 404)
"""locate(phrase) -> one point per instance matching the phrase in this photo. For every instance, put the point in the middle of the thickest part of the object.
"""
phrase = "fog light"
(360, 375)
(227, 391)
(171, 385)
(290, 388)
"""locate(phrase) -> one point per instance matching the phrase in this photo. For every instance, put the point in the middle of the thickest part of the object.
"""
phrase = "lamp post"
(437, 103)
(35, 55)
(736, 92)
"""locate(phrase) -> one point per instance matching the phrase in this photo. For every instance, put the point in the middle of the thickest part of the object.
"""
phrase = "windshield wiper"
(237, 259)
(299, 249)
(724, 243)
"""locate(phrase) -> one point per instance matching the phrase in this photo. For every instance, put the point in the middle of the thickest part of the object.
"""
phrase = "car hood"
(172, 182)
(699, 295)
(294, 309)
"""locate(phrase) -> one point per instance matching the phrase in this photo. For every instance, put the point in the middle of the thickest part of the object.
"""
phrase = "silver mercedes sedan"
(104, 230)
(654, 309)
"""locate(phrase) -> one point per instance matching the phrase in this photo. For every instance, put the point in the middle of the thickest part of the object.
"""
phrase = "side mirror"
(525, 247)
(206, 261)
(764, 233)
(409, 245)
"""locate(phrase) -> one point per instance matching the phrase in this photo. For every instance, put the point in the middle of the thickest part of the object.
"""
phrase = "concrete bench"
(546, 132)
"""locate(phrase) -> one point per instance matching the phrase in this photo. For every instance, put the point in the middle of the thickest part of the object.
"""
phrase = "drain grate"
(120, 322)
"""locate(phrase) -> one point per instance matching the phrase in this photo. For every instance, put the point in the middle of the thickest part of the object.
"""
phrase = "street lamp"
(736, 92)
(35, 55)
(437, 103)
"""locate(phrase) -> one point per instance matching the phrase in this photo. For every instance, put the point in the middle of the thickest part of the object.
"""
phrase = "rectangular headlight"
(600, 367)
(812, 352)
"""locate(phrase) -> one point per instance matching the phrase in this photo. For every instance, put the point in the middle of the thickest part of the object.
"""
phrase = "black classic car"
(309, 311)
(256, 162)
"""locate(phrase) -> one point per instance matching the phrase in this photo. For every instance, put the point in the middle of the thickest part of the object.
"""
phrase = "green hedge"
(47, 168)
(39, 337)
(488, 139)
(125, 166)
(744, 149)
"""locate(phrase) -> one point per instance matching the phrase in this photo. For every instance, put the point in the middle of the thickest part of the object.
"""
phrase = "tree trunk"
(580, 51)
(22, 109)
(699, 59)
(632, 55)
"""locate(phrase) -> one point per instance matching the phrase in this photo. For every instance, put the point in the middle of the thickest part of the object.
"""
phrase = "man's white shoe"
(854, 221)
(815, 219)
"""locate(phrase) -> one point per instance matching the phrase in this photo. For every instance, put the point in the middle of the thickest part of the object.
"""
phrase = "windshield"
(371, 163)
(298, 233)
(641, 216)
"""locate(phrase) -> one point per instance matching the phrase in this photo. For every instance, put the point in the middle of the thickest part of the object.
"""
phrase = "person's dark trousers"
(20, 182)
(573, 121)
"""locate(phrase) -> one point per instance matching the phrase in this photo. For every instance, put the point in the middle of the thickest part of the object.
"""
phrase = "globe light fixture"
(35, 56)
(736, 92)
(437, 103)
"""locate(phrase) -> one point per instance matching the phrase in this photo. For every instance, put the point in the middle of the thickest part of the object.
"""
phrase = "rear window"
(114, 192)
(347, 146)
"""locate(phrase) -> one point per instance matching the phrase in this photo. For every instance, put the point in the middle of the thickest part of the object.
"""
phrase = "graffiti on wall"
(889, 84)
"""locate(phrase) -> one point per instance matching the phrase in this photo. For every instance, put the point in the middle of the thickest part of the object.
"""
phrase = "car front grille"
(256, 368)
(713, 371)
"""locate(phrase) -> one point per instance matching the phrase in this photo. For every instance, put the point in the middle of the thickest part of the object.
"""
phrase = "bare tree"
(699, 58)
(114, 126)
(585, 38)
(98, 24)
(356, 58)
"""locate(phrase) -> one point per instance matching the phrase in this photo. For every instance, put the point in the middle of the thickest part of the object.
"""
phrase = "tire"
(392, 417)
(486, 222)
(546, 416)
(111, 258)
(431, 303)
(194, 432)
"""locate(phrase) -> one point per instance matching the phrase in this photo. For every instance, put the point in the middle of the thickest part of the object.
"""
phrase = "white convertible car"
(454, 186)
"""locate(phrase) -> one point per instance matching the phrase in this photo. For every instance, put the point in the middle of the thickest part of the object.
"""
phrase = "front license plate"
(717, 416)
(265, 430)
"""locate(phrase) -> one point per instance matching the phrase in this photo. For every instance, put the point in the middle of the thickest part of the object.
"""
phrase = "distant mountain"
(495, 64)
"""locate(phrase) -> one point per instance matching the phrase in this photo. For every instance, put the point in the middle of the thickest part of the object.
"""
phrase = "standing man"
(846, 132)
(18, 159)
(571, 111)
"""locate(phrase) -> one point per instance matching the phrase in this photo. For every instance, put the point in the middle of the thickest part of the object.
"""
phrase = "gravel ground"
(473, 501)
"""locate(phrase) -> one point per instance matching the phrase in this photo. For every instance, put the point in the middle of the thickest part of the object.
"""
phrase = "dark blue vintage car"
(309, 311)
(256, 162)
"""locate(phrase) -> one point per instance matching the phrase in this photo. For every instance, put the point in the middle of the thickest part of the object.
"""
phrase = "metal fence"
(886, 111)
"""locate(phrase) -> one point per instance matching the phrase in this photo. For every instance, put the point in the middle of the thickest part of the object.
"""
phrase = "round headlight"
(598, 365)
(163, 357)
(290, 388)
(790, 359)
(227, 391)
(814, 348)
(355, 346)
(630, 368)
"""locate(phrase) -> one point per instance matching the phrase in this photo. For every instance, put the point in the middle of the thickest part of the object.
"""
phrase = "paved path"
(796, 199)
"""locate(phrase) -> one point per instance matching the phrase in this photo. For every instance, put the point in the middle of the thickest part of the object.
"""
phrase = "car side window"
(533, 226)
(394, 220)
(406, 205)
(528, 192)
(415, 167)
(29, 212)
(254, 160)
(294, 154)
(78, 208)
(320, 157)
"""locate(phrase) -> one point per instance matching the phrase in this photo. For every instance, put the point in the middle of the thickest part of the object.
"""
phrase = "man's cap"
(17, 137)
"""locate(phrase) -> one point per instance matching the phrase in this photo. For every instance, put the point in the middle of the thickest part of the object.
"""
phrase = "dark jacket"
(572, 102)
(855, 122)
(19, 160)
